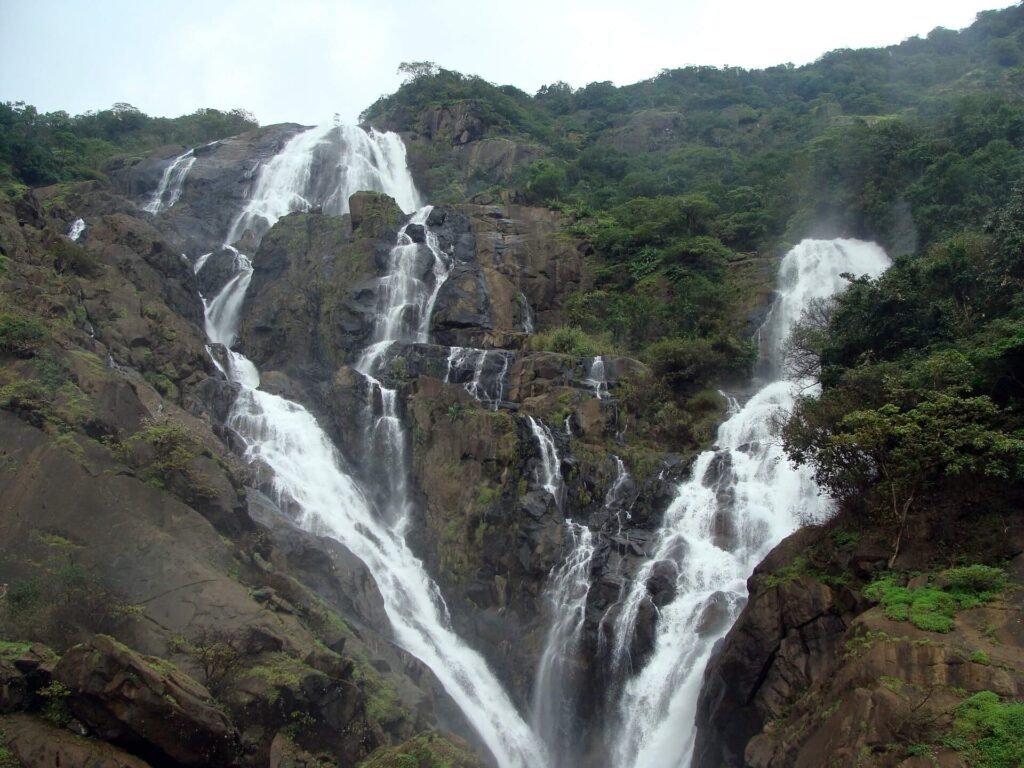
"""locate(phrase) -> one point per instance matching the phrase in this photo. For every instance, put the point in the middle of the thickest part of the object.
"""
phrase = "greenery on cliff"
(675, 178)
(38, 149)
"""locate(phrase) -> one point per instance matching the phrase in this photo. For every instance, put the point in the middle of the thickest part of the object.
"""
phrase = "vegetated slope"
(678, 179)
(667, 196)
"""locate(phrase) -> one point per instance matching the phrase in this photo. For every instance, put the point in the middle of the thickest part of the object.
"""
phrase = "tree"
(414, 70)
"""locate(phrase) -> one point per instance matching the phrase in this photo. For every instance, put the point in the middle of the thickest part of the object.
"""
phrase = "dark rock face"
(215, 189)
(125, 698)
(833, 674)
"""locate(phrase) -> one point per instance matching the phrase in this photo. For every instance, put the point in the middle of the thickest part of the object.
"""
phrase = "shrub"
(931, 609)
(21, 336)
(989, 731)
(566, 340)
(976, 579)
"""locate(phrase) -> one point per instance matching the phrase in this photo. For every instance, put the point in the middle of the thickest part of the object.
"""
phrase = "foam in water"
(555, 694)
(743, 498)
(308, 471)
(168, 191)
(77, 228)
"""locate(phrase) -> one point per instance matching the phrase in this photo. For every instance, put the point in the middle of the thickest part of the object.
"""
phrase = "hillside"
(452, 440)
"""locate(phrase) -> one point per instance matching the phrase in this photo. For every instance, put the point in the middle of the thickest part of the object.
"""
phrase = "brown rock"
(35, 743)
(137, 701)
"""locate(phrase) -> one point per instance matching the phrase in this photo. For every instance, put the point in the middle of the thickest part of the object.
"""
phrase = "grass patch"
(21, 336)
(9, 650)
(988, 732)
(934, 609)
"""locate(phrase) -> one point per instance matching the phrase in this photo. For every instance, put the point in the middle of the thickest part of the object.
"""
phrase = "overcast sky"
(304, 60)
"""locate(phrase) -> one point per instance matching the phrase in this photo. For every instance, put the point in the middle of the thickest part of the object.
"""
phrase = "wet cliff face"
(121, 494)
(814, 666)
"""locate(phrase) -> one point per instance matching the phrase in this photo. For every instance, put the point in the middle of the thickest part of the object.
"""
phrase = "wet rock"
(128, 699)
(417, 233)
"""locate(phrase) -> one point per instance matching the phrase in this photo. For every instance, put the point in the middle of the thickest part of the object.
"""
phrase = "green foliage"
(21, 335)
(55, 708)
(933, 609)
(38, 149)
(689, 363)
(989, 732)
(977, 579)
(171, 452)
(9, 650)
(568, 340)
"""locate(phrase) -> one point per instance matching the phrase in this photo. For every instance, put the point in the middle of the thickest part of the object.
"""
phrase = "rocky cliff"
(211, 629)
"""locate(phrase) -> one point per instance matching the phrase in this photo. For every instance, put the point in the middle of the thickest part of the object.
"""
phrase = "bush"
(21, 336)
(976, 579)
(931, 609)
(566, 340)
(690, 362)
(989, 731)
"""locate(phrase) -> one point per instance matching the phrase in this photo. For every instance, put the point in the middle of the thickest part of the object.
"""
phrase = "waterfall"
(171, 183)
(222, 312)
(554, 689)
(309, 472)
(201, 262)
(742, 499)
(321, 168)
(596, 378)
(483, 373)
(408, 293)
(77, 228)
(527, 313)
(550, 465)
(617, 497)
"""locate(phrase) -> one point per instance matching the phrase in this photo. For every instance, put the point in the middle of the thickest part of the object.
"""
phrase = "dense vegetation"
(675, 178)
(38, 149)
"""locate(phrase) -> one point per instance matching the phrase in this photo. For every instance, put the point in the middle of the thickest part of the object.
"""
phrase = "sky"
(307, 60)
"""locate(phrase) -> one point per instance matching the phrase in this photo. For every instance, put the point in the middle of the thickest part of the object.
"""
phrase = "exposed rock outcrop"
(128, 699)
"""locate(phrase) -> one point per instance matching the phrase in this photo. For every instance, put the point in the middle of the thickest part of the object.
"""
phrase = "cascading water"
(618, 497)
(309, 472)
(527, 313)
(550, 465)
(554, 693)
(171, 183)
(76, 229)
(407, 296)
(483, 371)
(743, 498)
(596, 379)
(322, 167)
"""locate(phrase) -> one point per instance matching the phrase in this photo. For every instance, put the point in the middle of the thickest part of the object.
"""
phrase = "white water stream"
(168, 191)
(309, 472)
(554, 689)
(744, 497)
(76, 229)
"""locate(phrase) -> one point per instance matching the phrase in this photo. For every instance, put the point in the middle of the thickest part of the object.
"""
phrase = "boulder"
(145, 705)
(375, 211)
(35, 743)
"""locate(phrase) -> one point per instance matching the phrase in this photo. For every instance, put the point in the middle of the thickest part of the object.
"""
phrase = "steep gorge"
(298, 470)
